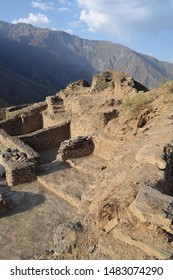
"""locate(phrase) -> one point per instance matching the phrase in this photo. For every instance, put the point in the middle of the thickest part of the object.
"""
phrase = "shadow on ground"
(20, 201)
(52, 167)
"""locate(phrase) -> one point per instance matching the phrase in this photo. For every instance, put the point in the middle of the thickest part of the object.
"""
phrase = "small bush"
(138, 103)
(168, 86)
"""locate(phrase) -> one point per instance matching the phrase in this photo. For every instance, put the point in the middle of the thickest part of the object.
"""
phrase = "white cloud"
(68, 30)
(63, 9)
(42, 5)
(94, 19)
(65, 2)
(122, 18)
(35, 19)
(75, 23)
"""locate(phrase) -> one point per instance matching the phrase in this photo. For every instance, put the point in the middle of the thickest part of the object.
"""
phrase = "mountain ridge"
(52, 59)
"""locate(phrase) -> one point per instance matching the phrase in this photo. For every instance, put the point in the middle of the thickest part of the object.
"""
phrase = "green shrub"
(138, 103)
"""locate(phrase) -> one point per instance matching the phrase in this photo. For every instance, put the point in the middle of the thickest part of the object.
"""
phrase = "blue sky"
(142, 25)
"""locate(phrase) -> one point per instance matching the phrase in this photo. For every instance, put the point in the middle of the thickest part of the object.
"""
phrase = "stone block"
(160, 250)
(20, 173)
(75, 147)
(152, 154)
(154, 207)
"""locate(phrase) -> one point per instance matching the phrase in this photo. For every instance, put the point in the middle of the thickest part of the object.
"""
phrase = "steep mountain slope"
(52, 59)
(16, 89)
(108, 56)
(40, 69)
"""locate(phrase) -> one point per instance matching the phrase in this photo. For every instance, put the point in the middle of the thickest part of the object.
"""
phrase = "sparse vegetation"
(138, 103)
(169, 86)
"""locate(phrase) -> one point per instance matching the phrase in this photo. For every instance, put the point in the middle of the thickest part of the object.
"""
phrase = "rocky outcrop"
(76, 147)
(78, 84)
(115, 81)
(154, 207)
(152, 154)
(147, 243)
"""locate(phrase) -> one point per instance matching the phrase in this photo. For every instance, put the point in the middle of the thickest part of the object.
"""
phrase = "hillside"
(43, 61)
(89, 173)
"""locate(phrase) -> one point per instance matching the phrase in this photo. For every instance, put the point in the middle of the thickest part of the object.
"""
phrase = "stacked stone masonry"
(75, 148)
(20, 173)
(22, 120)
(47, 138)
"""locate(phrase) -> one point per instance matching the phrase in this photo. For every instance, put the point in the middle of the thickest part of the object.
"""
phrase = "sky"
(145, 26)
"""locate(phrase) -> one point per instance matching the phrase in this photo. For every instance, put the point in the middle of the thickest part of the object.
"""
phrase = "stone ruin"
(65, 121)
(74, 148)
(18, 167)
(28, 130)
(80, 121)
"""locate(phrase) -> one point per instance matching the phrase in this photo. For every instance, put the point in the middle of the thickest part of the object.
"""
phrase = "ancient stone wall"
(47, 138)
(23, 123)
(31, 122)
(12, 126)
(55, 119)
(88, 124)
(80, 146)
(18, 169)
(14, 142)
(19, 173)
(11, 112)
(54, 103)
(14, 110)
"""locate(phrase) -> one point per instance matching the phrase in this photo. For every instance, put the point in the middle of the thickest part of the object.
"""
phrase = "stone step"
(92, 165)
(153, 243)
(113, 249)
(64, 181)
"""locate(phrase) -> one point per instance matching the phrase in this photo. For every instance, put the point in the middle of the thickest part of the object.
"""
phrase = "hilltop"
(89, 173)
(37, 62)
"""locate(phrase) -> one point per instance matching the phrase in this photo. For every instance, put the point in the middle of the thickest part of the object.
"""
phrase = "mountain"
(37, 62)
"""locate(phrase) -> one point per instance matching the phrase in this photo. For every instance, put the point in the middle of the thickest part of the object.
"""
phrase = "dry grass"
(138, 103)
(108, 208)
(168, 86)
